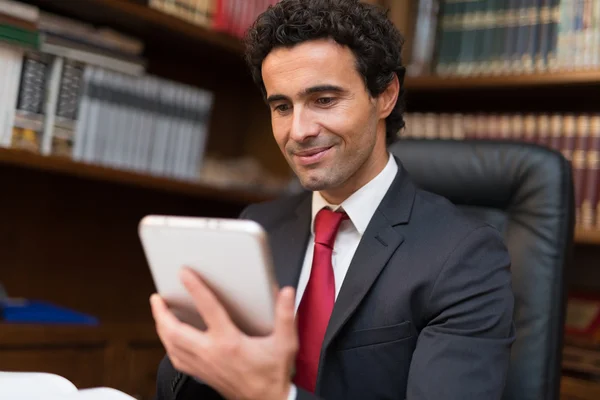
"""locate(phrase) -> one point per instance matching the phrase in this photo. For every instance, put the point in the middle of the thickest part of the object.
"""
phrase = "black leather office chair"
(526, 191)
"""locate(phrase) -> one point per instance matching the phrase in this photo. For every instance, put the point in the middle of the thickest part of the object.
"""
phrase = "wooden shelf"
(66, 166)
(567, 78)
(584, 236)
(579, 389)
(18, 334)
(142, 21)
(124, 357)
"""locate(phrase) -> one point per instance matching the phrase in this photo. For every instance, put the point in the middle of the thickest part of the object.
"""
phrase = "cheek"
(350, 125)
(280, 132)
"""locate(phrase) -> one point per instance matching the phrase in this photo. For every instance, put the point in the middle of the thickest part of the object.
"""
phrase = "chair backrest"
(526, 191)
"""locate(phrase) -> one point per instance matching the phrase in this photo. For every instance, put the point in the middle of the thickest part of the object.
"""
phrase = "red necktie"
(317, 301)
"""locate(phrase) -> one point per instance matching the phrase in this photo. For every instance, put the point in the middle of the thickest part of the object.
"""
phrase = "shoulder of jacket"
(269, 212)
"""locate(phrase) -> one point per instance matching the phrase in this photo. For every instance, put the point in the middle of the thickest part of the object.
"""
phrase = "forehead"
(318, 62)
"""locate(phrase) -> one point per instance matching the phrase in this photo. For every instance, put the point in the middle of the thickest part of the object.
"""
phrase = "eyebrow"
(307, 91)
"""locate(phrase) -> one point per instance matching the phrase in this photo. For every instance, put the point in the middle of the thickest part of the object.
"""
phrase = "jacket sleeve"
(167, 380)
(463, 351)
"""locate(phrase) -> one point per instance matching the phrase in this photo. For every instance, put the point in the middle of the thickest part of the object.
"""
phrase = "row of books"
(88, 100)
(488, 37)
(59, 106)
(90, 104)
(576, 136)
(28, 27)
(229, 16)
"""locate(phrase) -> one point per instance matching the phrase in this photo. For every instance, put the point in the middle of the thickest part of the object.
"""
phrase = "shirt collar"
(361, 205)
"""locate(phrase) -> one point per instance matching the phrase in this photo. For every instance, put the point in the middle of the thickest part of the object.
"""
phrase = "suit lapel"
(379, 242)
(288, 243)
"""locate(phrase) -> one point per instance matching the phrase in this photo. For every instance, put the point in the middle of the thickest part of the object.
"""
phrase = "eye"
(282, 108)
(323, 101)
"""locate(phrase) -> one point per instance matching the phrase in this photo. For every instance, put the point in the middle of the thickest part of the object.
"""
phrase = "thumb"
(285, 324)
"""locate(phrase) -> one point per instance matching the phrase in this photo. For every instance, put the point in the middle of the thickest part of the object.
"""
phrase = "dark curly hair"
(364, 28)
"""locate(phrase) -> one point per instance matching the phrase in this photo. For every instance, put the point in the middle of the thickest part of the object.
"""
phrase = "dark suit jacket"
(425, 310)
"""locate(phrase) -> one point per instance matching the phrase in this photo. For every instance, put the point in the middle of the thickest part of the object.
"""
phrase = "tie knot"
(327, 223)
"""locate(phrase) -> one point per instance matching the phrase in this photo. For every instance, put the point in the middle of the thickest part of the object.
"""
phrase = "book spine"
(510, 35)
(424, 38)
(589, 216)
(532, 18)
(505, 127)
(458, 126)
(595, 45)
(568, 138)
(20, 10)
(517, 129)
(67, 109)
(493, 126)
(11, 62)
(566, 31)
(530, 128)
(521, 32)
(470, 23)
(29, 115)
(587, 49)
(543, 130)
(450, 35)
(51, 104)
(579, 162)
(556, 132)
(578, 34)
(544, 35)
(556, 19)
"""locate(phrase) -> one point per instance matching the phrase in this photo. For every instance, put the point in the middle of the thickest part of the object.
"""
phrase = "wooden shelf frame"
(65, 166)
(587, 236)
(550, 79)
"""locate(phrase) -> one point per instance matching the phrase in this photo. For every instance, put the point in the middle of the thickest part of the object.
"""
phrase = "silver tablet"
(231, 255)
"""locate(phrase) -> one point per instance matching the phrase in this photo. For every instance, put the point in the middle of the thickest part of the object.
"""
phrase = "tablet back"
(231, 255)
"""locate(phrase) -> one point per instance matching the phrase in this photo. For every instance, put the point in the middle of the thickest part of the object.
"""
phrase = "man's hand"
(234, 364)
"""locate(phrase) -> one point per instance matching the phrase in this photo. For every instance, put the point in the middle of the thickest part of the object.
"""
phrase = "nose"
(304, 126)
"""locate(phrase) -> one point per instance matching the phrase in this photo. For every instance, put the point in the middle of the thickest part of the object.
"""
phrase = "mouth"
(311, 156)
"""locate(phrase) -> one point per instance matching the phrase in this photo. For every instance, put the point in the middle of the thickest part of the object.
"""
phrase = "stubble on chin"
(323, 178)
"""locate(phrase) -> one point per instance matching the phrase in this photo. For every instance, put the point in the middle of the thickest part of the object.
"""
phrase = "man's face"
(323, 118)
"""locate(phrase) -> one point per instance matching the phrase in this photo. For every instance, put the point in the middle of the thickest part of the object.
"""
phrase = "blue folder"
(40, 312)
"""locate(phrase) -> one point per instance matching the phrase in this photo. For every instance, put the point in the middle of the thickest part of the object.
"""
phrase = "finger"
(210, 308)
(160, 312)
(175, 335)
(285, 324)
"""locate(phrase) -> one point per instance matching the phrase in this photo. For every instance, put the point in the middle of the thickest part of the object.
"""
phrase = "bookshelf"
(523, 81)
(73, 225)
(578, 389)
(62, 165)
(139, 20)
(117, 355)
(589, 237)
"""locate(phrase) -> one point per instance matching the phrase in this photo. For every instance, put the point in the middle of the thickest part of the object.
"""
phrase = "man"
(388, 292)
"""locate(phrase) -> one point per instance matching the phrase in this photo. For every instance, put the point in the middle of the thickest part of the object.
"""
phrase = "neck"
(369, 170)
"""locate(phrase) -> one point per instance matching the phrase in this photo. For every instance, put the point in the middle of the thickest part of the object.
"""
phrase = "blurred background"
(114, 109)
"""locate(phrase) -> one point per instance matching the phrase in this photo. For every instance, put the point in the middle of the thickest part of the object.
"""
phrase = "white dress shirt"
(360, 207)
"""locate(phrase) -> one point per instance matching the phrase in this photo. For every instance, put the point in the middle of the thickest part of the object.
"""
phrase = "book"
(48, 386)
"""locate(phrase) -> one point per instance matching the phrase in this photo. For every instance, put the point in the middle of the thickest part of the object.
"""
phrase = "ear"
(387, 99)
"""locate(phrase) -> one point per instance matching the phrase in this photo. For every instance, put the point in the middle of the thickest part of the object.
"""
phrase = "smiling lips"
(311, 156)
